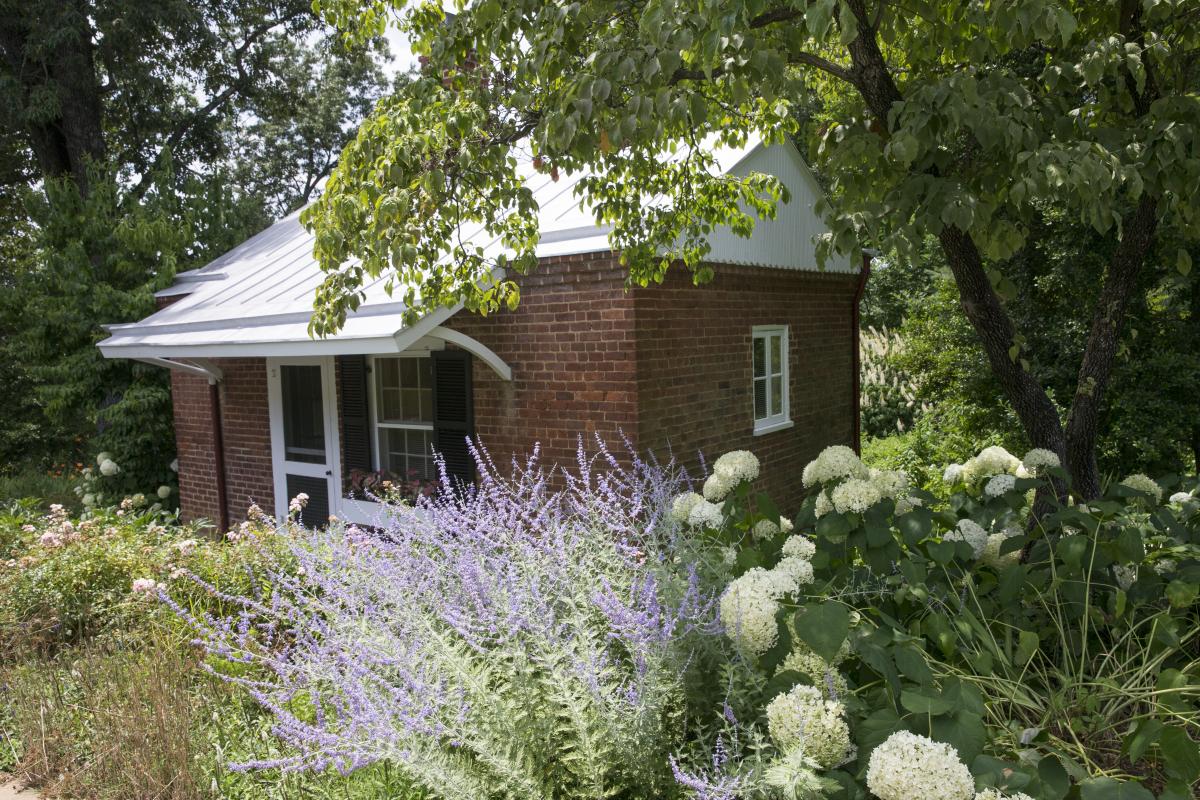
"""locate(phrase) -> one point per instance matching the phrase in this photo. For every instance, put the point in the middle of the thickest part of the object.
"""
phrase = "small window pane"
(389, 405)
(410, 405)
(408, 454)
(776, 354)
(760, 357)
(408, 372)
(760, 398)
(303, 414)
(389, 374)
(776, 396)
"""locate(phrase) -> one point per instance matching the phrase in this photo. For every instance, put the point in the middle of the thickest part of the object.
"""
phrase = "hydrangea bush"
(956, 649)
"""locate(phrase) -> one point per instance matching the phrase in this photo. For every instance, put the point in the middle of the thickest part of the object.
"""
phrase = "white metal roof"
(257, 298)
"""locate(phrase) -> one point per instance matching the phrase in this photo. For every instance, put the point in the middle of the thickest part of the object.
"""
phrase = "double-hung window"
(404, 416)
(770, 378)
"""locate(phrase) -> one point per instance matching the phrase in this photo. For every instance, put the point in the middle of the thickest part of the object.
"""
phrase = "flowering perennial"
(908, 766)
(804, 720)
(474, 615)
(999, 485)
(990, 461)
(737, 466)
(972, 533)
(855, 495)
(834, 463)
(1143, 483)
(1039, 459)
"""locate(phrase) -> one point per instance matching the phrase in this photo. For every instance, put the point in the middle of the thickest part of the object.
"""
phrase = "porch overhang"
(374, 331)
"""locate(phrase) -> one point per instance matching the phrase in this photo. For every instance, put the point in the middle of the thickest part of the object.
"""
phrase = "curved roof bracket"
(475, 347)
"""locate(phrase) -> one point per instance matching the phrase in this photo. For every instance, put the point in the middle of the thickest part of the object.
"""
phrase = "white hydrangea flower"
(828, 680)
(716, 487)
(1143, 483)
(729, 555)
(102, 457)
(998, 485)
(996, 794)
(892, 483)
(1125, 575)
(799, 547)
(785, 525)
(1040, 459)
(108, 467)
(823, 506)
(748, 607)
(953, 474)
(681, 506)
(908, 766)
(971, 532)
(764, 529)
(804, 720)
(1165, 566)
(798, 569)
(89, 500)
(907, 503)
(991, 461)
(991, 552)
(705, 515)
(174, 465)
(737, 466)
(855, 495)
(832, 464)
(1180, 497)
(164, 492)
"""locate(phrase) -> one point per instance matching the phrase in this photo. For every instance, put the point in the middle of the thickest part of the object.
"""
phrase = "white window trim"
(783, 419)
(372, 405)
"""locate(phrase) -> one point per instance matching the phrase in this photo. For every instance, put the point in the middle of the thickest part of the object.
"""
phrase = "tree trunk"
(979, 301)
(1103, 340)
(65, 132)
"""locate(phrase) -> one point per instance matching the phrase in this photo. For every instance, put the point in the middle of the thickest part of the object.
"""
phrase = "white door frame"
(331, 470)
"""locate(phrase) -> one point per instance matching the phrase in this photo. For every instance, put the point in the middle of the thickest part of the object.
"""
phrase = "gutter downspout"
(214, 404)
(854, 315)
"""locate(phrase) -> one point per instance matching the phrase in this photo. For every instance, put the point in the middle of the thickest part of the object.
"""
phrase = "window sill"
(761, 429)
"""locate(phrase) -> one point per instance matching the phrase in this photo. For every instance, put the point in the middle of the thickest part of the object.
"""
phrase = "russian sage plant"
(513, 640)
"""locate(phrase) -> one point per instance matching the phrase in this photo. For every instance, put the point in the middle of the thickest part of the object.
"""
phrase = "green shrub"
(1056, 657)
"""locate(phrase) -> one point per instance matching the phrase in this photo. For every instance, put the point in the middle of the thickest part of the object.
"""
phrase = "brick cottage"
(763, 358)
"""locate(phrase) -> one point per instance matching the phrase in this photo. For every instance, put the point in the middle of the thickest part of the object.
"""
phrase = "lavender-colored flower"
(474, 634)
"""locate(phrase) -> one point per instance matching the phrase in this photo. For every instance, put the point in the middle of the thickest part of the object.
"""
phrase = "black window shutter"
(453, 412)
(356, 414)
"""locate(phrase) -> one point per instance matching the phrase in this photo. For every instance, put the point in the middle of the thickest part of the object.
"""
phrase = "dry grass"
(108, 724)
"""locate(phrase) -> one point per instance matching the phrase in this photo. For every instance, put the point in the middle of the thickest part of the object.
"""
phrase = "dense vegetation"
(138, 139)
(625, 636)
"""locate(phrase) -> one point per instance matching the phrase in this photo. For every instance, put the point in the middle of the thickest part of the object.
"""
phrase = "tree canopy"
(957, 121)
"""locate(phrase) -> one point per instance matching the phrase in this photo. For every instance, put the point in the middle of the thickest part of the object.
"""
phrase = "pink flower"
(146, 586)
(51, 539)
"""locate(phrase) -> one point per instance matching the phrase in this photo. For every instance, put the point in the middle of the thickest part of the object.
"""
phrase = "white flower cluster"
(1037, 460)
(912, 767)
(996, 794)
(694, 511)
(824, 504)
(999, 485)
(990, 461)
(892, 483)
(767, 529)
(971, 532)
(834, 463)
(830, 682)
(804, 720)
(991, 553)
(1143, 483)
(737, 466)
(108, 467)
(799, 547)
(953, 474)
(1180, 497)
(749, 604)
(855, 495)
(717, 487)
(748, 608)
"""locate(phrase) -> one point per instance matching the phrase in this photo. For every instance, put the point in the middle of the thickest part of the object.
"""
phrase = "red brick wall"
(694, 367)
(571, 347)
(247, 440)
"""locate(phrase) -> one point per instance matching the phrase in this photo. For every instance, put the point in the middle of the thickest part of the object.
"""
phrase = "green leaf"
(876, 728)
(1181, 594)
(925, 701)
(1144, 734)
(771, 659)
(964, 730)
(823, 628)
(915, 525)
(942, 552)
(1055, 781)
(1181, 754)
(1112, 789)
(912, 663)
(833, 526)
(1183, 261)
